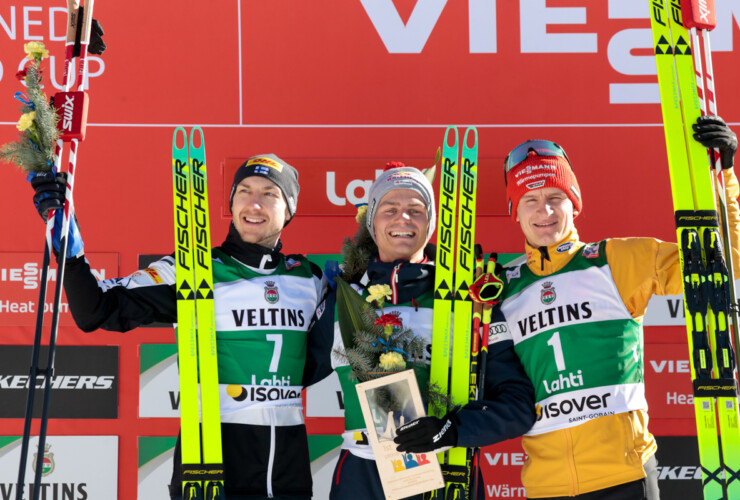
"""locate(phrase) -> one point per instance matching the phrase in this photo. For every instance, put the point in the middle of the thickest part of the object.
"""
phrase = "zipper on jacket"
(271, 456)
(544, 255)
(394, 284)
(571, 463)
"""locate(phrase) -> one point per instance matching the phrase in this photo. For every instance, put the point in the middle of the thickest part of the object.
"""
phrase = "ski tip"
(471, 131)
(197, 139)
(179, 139)
(449, 133)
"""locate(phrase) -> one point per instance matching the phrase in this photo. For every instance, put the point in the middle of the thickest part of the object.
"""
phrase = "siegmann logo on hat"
(260, 160)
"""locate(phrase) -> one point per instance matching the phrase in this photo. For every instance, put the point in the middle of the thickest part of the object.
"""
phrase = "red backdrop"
(338, 89)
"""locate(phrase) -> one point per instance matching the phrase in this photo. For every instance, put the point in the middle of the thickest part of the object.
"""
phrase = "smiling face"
(401, 223)
(545, 216)
(259, 211)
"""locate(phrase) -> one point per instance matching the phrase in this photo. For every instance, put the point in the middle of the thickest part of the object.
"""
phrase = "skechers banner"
(84, 385)
(74, 467)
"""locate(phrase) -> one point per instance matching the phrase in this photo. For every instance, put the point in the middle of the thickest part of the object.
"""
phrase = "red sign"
(20, 278)
(668, 381)
(335, 187)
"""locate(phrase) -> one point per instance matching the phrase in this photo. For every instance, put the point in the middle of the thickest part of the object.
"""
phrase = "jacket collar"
(251, 254)
(407, 280)
(544, 261)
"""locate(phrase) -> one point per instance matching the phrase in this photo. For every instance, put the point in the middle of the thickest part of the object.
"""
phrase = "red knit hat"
(537, 172)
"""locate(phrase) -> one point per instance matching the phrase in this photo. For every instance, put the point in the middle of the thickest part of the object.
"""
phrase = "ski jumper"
(263, 299)
(575, 316)
(507, 408)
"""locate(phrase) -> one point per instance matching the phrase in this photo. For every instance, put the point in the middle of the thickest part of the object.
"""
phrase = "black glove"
(713, 132)
(49, 192)
(428, 434)
(96, 45)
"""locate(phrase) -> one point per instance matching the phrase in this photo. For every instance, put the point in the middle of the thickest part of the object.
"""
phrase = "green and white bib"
(577, 341)
(261, 331)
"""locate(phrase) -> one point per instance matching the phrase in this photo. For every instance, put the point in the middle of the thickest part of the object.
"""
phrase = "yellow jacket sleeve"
(642, 267)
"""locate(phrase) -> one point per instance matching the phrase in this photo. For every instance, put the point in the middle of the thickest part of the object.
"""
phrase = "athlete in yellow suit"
(586, 444)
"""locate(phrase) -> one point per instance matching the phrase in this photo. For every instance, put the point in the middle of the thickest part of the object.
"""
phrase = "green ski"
(202, 463)
(443, 272)
(458, 464)
(704, 271)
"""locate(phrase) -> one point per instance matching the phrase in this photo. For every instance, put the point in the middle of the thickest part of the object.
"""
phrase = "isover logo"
(351, 193)
(565, 407)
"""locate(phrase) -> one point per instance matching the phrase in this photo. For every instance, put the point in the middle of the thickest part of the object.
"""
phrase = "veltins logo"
(271, 292)
(47, 467)
(547, 294)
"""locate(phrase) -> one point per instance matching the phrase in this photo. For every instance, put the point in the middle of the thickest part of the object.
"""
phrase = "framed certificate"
(387, 403)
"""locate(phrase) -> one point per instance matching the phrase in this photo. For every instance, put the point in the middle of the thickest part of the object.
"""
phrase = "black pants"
(356, 478)
(642, 489)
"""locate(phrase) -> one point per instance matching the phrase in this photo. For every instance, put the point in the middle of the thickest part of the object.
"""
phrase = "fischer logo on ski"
(202, 469)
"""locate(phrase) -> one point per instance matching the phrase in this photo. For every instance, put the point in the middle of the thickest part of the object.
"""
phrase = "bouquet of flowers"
(37, 126)
(375, 346)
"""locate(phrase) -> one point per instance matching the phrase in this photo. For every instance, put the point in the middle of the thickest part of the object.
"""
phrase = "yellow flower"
(361, 211)
(35, 50)
(379, 293)
(392, 361)
(26, 121)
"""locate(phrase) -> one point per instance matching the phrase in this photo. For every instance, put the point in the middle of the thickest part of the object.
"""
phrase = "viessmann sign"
(376, 62)
(20, 278)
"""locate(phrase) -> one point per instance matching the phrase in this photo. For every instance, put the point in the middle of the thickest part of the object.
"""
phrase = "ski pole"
(476, 383)
(78, 36)
(701, 18)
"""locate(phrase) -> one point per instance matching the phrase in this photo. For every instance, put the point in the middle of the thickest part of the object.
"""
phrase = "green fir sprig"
(37, 127)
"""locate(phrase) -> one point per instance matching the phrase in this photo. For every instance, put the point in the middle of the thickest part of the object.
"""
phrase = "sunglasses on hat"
(540, 146)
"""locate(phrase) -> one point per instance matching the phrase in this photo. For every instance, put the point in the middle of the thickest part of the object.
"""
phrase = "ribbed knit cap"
(399, 176)
(537, 172)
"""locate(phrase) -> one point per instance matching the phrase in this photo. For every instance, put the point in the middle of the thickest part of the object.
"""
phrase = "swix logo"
(68, 109)
(30, 275)
(350, 192)
(704, 11)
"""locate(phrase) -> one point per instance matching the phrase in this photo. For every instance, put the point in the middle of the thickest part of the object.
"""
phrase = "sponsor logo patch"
(498, 332)
(535, 185)
(564, 247)
(320, 310)
(591, 251)
(271, 292)
(513, 273)
(154, 274)
(547, 294)
(47, 466)
(267, 162)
